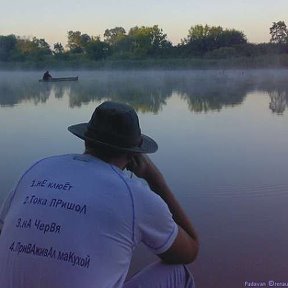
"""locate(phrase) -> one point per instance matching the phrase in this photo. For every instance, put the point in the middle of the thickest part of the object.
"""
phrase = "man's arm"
(5, 208)
(186, 245)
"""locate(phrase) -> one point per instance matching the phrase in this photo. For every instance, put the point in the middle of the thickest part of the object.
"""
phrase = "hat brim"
(148, 145)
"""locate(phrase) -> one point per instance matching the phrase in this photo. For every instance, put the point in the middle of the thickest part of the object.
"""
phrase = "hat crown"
(116, 124)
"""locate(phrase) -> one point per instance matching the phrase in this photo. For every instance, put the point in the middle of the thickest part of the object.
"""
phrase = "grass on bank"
(263, 61)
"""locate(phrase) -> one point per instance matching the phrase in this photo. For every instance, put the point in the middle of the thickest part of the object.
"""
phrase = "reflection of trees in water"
(144, 99)
(144, 94)
(279, 101)
(213, 93)
(21, 91)
(12, 94)
(277, 89)
(148, 91)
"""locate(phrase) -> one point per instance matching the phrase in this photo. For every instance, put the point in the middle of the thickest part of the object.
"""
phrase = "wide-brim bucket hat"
(115, 126)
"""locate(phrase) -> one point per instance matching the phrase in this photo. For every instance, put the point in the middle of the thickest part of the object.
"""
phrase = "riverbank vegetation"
(148, 47)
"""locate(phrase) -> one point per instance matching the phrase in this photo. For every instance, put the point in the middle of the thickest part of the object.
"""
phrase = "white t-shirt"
(74, 221)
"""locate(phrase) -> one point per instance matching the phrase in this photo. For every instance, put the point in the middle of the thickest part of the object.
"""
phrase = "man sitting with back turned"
(74, 220)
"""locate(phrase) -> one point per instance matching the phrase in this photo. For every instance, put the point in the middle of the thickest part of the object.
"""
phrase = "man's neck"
(120, 162)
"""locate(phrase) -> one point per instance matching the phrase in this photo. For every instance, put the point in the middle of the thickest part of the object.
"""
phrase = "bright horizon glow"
(52, 20)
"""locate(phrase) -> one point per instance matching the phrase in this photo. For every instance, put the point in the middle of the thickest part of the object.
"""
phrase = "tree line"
(202, 41)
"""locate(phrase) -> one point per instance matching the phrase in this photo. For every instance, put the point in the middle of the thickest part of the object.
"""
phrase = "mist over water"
(203, 90)
(222, 138)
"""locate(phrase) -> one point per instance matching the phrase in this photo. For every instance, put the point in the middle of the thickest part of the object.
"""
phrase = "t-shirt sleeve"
(155, 226)
(5, 208)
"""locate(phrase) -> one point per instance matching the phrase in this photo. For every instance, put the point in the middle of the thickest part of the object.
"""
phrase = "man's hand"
(143, 167)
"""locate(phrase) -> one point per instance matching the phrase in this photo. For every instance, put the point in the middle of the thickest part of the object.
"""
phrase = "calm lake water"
(223, 138)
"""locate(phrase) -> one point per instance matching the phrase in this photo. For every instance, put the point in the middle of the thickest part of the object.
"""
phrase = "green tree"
(97, 49)
(114, 35)
(7, 47)
(118, 41)
(145, 41)
(202, 39)
(41, 45)
(35, 49)
(159, 40)
(77, 41)
(279, 33)
(74, 41)
(197, 32)
(58, 48)
(232, 37)
(139, 40)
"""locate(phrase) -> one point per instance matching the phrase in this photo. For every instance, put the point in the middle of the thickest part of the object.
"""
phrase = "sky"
(52, 19)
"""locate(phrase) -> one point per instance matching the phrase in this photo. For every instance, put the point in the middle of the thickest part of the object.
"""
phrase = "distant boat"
(60, 79)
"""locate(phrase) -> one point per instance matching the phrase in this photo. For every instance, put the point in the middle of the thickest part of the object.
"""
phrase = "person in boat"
(46, 76)
(74, 220)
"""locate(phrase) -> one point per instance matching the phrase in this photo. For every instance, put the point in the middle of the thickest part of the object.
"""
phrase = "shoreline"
(259, 62)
